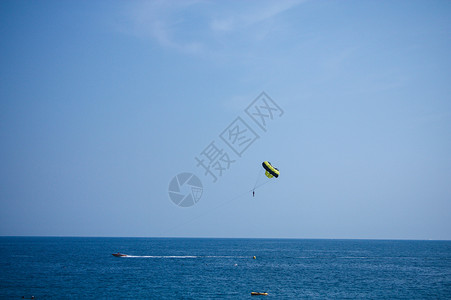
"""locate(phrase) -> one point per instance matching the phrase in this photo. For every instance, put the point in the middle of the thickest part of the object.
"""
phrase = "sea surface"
(179, 268)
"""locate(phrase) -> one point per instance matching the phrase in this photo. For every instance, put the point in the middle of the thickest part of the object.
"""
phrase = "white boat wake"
(161, 256)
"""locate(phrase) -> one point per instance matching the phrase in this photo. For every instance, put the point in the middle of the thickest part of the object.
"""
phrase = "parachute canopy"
(270, 170)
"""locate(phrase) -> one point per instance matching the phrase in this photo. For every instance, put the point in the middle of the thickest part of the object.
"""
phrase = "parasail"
(271, 171)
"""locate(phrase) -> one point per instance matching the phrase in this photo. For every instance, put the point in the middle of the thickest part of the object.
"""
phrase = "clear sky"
(102, 103)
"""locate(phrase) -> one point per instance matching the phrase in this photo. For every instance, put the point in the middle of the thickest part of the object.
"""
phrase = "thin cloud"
(254, 15)
(168, 24)
(161, 21)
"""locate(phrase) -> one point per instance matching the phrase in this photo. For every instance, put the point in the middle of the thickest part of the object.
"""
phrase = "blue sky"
(103, 103)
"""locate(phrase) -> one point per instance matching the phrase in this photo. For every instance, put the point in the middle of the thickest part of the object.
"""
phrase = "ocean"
(191, 268)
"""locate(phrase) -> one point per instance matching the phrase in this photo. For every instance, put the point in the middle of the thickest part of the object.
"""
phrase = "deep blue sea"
(179, 268)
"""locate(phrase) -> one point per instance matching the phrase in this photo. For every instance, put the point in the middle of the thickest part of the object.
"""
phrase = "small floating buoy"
(254, 257)
(259, 294)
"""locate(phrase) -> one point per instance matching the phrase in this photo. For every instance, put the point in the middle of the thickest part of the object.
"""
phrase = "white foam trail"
(160, 256)
(222, 256)
(186, 256)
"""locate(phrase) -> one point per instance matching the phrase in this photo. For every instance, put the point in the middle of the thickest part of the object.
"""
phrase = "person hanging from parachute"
(270, 172)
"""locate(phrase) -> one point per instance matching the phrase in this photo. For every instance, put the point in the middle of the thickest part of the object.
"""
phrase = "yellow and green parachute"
(270, 170)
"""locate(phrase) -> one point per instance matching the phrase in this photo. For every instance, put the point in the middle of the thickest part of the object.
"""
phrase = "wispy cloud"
(254, 14)
(162, 21)
(199, 26)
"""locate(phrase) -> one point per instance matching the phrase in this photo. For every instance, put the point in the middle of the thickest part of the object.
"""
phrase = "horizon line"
(203, 237)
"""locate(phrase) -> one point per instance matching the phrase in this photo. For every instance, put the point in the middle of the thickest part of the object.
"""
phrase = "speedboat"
(119, 254)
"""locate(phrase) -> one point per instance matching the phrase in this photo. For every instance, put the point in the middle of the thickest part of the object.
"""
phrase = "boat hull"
(119, 254)
(259, 294)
